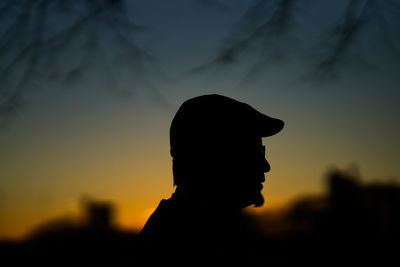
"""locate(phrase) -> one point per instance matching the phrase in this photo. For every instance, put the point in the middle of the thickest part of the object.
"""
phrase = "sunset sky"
(85, 108)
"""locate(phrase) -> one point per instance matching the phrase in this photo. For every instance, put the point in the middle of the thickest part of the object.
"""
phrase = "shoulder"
(156, 220)
(164, 220)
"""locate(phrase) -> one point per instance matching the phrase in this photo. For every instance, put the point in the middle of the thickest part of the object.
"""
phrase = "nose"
(266, 166)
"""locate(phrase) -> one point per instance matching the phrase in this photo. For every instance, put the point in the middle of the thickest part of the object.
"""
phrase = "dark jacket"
(181, 232)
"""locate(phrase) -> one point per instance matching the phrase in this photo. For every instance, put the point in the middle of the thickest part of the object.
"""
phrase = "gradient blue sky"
(93, 117)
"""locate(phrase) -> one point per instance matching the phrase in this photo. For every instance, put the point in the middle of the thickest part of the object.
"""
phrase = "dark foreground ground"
(352, 225)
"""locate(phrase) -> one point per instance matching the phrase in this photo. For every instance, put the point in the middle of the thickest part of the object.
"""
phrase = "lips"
(260, 186)
(261, 179)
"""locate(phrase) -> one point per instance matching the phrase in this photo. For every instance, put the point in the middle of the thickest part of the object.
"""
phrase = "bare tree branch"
(30, 54)
(258, 25)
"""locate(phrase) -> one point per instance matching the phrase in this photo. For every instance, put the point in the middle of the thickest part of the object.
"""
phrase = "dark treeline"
(352, 224)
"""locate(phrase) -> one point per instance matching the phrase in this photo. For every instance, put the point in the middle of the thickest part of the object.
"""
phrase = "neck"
(211, 201)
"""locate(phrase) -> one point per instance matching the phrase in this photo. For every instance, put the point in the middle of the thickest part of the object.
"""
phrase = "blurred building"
(98, 215)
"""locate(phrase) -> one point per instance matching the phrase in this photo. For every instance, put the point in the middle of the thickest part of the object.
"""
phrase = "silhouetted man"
(218, 167)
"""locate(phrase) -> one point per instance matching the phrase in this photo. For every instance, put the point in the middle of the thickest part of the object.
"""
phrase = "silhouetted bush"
(353, 223)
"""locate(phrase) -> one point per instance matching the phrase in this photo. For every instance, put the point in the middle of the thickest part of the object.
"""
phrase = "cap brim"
(268, 126)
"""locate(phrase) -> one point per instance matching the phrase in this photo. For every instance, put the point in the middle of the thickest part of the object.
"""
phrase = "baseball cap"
(206, 121)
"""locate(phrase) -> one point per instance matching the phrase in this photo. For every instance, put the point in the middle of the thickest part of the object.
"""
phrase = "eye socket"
(246, 153)
(256, 153)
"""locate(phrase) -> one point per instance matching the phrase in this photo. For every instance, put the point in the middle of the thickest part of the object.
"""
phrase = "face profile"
(227, 160)
(247, 174)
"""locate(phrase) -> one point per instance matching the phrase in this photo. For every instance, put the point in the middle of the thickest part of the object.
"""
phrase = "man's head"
(217, 149)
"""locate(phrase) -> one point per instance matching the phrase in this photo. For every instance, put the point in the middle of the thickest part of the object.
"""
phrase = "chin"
(259, 201)
(256, 199)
